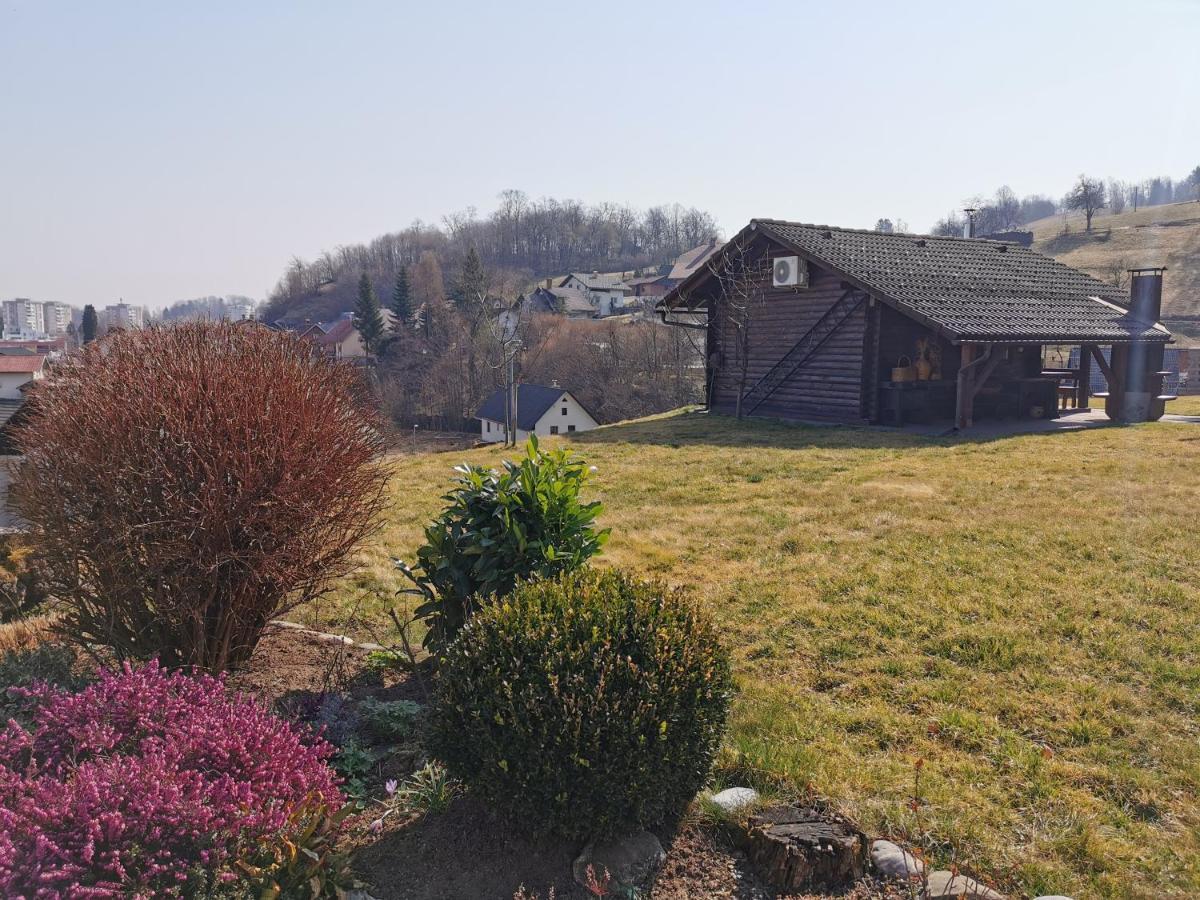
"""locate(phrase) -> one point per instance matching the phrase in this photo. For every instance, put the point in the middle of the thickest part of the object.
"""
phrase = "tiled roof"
(532, 402)
(337, 332)
(573, 300)
(23, 364)
(973, 289)
(688, 262)
(597, 282)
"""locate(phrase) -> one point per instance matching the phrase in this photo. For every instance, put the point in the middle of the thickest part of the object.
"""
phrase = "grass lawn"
(1022, 614)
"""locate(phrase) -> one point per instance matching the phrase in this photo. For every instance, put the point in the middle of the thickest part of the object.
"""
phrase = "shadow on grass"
(700, 428)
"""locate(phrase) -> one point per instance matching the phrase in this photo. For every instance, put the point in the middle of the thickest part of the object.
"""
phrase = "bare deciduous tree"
(1087, 195)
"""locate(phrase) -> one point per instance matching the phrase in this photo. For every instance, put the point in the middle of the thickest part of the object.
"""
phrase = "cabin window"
(564, 410)
(554, 429)
(570, 428)
(489, 426)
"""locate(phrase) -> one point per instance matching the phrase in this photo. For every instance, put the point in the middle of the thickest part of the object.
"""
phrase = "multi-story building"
(55, 318)
(124, 315)
(24, 318)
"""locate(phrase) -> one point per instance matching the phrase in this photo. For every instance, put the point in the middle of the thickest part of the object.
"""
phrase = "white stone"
(629, 862)
(893, 861)
(735, 798)
(1052, 897)
(944, 885)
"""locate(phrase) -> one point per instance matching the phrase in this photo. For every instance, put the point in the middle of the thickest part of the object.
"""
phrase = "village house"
(19, 368)
(648, 285)
(688, 262)
(570, 302)
(863, 326)
(606, 293)
(340, 339)
(540, 410)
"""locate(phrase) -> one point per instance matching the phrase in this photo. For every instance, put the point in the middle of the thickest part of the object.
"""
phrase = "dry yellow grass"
(1020, 613)
(1153, 236)
(25, 633)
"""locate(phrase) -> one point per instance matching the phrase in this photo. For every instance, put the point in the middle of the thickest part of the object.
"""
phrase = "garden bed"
(464, 851)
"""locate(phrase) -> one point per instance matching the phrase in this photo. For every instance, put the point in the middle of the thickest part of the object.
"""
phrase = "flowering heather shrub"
(147, 783)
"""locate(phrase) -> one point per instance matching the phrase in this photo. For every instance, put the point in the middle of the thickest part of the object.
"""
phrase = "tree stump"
(796, 848)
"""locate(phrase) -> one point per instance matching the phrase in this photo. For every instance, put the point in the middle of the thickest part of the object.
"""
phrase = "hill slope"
(1166, 235)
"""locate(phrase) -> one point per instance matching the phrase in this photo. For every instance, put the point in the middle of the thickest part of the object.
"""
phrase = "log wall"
(828, 387)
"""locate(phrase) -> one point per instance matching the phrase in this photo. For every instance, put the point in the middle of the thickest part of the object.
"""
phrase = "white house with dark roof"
(541, 410)
(606, 293)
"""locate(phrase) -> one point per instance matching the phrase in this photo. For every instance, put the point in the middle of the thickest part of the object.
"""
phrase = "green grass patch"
(1022, 614)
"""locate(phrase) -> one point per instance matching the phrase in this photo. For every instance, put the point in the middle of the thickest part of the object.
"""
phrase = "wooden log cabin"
(815, 323)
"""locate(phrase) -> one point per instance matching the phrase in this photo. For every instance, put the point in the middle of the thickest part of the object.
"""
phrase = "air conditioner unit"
(789, 271)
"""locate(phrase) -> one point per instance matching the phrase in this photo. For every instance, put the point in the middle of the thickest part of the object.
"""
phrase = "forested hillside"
(520, 241)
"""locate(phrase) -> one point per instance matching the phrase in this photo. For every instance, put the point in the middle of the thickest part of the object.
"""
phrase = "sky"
(161, 151)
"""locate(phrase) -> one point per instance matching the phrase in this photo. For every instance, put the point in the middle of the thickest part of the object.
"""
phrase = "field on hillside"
(1153, 236)
(1021, 614)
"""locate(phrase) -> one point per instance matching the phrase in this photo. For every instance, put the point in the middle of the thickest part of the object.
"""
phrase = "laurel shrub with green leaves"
(500, 528)
(588, 705)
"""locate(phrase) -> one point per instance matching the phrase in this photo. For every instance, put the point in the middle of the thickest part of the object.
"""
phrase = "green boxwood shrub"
(587, 706)
(501, 528)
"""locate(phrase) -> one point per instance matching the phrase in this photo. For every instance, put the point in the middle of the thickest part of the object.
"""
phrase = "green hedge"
(587, 706)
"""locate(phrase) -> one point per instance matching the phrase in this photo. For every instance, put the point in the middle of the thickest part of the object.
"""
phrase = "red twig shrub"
(150, 783)
(185, 484)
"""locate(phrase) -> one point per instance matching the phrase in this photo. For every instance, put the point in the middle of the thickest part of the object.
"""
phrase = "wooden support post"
(964, 399)
(1083, 382)
(972, 375)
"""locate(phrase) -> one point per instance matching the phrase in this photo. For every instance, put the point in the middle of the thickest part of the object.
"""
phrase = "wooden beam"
(1103, 364)
(972, 375)
(1083, 378)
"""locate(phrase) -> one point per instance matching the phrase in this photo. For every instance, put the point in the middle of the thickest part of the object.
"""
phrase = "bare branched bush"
(186, 484)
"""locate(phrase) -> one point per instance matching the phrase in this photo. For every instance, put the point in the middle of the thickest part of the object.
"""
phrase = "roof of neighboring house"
(644, 279)
(968, 289)
(21, 363)
(573, 300)
(687, 263)
(597, 282)
(336, 332)
(533, 400)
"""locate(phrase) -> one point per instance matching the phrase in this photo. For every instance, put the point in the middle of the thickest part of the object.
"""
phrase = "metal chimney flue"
(1145, 293)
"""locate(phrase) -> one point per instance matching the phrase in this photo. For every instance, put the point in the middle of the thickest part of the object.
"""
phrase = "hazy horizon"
(157, 153)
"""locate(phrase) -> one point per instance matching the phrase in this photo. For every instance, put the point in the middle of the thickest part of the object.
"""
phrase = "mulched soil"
(464, 853)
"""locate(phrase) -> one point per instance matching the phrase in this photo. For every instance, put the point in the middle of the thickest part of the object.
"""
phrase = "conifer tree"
(402, 299)
(90, 324)
(472, 283)
(368, 317)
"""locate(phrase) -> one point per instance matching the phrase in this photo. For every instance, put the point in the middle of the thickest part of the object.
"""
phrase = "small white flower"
(391, 786)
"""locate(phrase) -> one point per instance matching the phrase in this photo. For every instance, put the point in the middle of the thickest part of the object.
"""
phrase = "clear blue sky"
(157, 151)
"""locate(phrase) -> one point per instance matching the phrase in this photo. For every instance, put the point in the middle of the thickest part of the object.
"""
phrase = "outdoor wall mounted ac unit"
(789, 271)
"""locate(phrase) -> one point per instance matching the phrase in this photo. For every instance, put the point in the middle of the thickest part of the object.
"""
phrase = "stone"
(732, 799)
(629, 862)
(893, 861)
(797, 848)
(944, 885)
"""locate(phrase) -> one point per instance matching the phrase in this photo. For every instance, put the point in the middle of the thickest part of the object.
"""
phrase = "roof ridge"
(892, 234)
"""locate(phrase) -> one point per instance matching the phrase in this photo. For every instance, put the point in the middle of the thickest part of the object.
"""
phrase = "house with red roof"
(18, 369)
